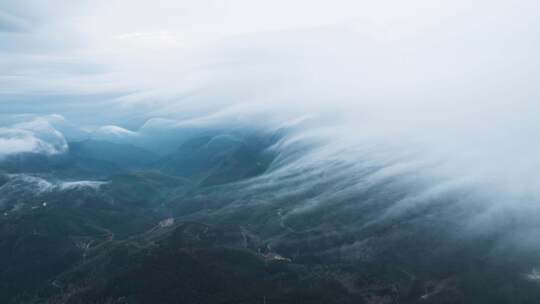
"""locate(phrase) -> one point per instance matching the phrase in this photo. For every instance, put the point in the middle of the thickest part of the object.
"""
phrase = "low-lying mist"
(369, 114)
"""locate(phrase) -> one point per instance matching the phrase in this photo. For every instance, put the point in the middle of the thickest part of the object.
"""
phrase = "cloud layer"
(435, 97)
(34, 136)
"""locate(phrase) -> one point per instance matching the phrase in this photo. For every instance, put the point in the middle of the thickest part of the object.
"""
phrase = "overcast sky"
(101, 46)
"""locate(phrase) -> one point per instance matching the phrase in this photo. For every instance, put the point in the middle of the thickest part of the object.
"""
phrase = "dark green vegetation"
(113, 223)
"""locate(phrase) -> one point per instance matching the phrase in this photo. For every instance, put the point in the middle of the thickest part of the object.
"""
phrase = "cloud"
(11, 23)
(26, 184)
(113, 131)
(409, 103)
(80, 185)
(34, 136)
(21, 183)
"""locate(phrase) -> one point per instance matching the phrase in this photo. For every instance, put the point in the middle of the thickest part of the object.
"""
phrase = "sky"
(103, 46)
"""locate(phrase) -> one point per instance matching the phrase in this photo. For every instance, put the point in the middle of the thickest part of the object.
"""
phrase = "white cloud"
(35, 136)
(21, 183)
(114, 131)
(442, 94)
(65, 185)
(10, 23)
